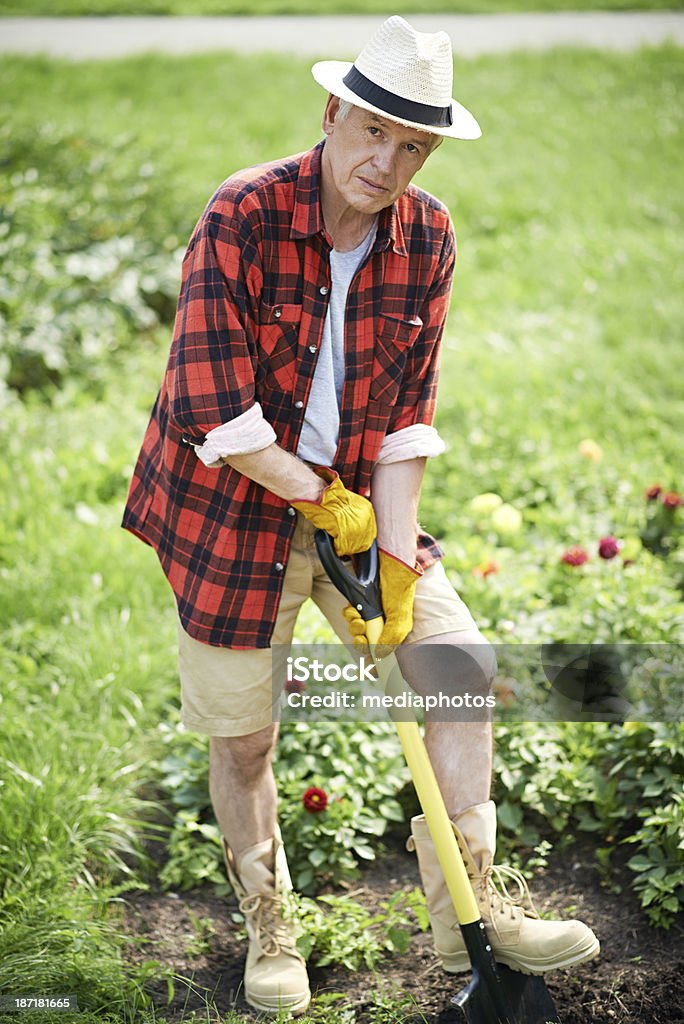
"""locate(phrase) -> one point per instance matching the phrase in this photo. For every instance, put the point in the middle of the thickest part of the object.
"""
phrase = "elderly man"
(300, 392)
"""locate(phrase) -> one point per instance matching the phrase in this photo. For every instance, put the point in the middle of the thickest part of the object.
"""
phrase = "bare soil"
(637, 979)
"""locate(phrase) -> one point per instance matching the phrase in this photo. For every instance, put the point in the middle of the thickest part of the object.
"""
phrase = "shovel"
(495, 994)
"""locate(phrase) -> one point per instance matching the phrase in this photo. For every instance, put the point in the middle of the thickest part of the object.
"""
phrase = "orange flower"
(504, 690)
(486, 568)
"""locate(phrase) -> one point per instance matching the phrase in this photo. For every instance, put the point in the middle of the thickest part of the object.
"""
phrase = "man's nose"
(384, 157)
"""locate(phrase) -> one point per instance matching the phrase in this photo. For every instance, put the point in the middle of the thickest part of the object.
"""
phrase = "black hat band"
(397, 106)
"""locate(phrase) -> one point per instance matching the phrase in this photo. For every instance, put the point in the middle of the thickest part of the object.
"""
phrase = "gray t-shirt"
(320, 431)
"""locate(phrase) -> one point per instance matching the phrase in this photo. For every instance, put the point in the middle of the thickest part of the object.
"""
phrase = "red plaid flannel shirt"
(252, 304)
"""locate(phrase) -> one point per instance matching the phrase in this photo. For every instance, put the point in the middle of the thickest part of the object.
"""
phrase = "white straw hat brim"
(330, 75)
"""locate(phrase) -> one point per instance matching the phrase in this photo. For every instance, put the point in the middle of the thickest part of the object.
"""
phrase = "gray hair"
(434, 140)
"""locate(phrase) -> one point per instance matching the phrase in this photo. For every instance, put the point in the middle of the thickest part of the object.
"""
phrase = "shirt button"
(279, 567)
(292, 511)
(312, 348)
(277, 313)
(323, 290)
(299, 405)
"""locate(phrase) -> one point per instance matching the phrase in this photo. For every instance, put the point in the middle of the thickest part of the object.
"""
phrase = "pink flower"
(315, 800)
(672, 499)
(653, 492)
(608, 547)
(575, 555)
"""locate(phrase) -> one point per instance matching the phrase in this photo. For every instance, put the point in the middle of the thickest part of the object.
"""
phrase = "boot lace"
(495, 881)
(271, 932)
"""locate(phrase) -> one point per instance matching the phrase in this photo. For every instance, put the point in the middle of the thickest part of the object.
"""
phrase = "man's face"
(369, 160)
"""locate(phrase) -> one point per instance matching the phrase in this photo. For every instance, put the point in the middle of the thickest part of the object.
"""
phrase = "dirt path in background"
(334, 35)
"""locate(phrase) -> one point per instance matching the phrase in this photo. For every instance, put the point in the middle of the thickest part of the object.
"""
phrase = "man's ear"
(330, 113)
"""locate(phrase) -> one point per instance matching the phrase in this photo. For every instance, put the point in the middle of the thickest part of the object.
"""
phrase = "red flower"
(672, 499)
(294, 686)
(315, 799)
(608, 547)
(575, 555)
(653, 492)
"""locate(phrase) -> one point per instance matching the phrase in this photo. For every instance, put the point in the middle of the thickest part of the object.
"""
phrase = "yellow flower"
(590, 450)
(484, 504)
(631, 548)
(506, 519)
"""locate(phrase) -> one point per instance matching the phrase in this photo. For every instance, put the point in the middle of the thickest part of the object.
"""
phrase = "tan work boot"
(275, 972)
(519, 938)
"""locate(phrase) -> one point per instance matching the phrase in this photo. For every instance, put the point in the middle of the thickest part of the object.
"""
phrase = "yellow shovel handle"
(427, 788)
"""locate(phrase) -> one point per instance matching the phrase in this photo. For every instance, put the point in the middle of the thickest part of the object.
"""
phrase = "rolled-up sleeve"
(415, 442)
(244, 435)
(418, 392)
(211, 371)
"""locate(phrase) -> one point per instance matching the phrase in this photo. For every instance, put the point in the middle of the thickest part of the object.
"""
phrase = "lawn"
(565, 327)
(260, 7)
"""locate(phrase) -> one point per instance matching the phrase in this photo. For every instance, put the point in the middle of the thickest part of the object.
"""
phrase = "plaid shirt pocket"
(278, 341)
(393, 340)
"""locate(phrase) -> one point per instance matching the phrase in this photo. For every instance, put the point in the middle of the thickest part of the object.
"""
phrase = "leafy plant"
(361, 769)
(87, 270)
(392, 1007)
(662, 529)
(203, 931)
(659, 867)
(351, 935)
(622, 782)
(330, 1008)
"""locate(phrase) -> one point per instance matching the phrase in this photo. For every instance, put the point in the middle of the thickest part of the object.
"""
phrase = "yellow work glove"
(347, 517)
(397, 591)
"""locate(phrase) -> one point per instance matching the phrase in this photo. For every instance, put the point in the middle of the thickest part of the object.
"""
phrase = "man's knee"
(481, 653)
(247, 755)
(450, 662)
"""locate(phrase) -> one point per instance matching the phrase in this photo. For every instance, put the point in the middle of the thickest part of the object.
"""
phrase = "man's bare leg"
(461, 754)
(242, 787)
(460, 751)
(243, 793)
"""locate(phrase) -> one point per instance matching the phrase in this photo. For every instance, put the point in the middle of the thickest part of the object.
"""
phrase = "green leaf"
(364, 851)
(317, 857)
(639, 863)
(509, 815)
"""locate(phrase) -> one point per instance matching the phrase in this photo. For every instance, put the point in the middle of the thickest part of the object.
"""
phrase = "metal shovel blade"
(527, 1000)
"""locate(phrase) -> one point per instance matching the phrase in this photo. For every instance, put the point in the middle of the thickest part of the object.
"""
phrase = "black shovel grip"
(361, 587)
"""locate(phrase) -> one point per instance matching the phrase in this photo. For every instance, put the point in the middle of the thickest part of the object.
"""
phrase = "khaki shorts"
(225, 692)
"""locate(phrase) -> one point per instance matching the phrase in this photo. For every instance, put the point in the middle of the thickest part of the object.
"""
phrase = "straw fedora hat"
(404, 75)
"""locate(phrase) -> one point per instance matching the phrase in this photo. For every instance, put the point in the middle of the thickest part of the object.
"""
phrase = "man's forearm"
(395, 492)
(279, 472)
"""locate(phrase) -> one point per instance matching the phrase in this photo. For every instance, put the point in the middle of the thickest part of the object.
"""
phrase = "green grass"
(79, 695)
(566, 323)
(260, 7)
